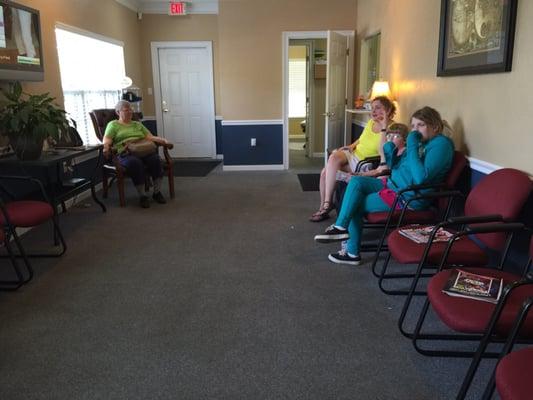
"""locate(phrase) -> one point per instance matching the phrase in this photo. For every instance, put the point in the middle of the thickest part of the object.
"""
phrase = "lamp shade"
(380, 88)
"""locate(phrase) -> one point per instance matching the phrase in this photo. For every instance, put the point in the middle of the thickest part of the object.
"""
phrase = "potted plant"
(29, 119)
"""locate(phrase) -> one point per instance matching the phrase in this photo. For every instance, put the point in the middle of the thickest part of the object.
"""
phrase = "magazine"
(473, 286)
(421, 234)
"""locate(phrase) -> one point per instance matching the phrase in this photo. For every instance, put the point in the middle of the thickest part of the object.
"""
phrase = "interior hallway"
(220, 294)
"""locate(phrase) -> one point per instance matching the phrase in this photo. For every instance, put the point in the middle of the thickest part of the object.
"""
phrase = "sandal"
(322, 213)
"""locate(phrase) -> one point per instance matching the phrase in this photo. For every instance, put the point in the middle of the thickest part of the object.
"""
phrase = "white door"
(187, 100)
(335, 90)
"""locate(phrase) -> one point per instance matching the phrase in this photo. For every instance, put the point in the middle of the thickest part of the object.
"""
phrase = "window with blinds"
(92, 68)
(297, 87)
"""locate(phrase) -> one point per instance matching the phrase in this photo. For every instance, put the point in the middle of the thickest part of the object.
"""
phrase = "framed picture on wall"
(476, 36)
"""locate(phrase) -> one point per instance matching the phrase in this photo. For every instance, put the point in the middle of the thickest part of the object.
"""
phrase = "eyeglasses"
(391, 136)
(126, 110)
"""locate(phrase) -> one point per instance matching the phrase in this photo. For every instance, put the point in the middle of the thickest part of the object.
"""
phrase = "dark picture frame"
(476, 36)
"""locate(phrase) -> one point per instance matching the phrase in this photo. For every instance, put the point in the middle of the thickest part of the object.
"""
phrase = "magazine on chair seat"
(473, 286)
(420, 234)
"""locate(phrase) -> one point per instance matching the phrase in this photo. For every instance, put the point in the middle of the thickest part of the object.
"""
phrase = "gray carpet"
(220, 294)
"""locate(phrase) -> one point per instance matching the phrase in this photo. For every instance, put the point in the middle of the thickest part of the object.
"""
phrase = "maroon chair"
(512, 375)
(475, 320)
(26, 214)
(395, 218)
(113, 169)
(497, 198)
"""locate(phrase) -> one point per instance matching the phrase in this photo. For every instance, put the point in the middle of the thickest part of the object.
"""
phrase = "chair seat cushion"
(464, 251)
(410, 217)
(513, 375)
(472, 316)
(26, 213)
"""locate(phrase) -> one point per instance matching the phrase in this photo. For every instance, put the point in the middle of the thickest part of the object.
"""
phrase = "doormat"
(309, 182)
(194, 167)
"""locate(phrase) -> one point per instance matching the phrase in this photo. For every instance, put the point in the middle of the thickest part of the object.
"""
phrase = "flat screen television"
(21, 50)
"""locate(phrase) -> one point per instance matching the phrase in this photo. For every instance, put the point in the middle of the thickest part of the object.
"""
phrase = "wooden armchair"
(112, 169)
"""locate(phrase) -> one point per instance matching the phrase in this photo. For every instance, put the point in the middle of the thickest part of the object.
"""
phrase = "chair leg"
(14, 285)
(105, 185)
(22, 253)
(171, 183)
(121, 195)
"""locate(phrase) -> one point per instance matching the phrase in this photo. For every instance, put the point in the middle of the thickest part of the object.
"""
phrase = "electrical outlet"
(253, 142)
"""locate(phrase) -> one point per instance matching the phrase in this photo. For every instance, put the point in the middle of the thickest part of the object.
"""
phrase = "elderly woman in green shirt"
(118, 134)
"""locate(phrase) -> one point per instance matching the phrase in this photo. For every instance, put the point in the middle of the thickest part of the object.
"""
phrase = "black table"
(49, 168)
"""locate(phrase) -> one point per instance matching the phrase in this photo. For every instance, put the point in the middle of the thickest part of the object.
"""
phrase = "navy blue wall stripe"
(237, 149)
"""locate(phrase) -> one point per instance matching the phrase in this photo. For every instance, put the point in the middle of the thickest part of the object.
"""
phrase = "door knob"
(329, 114)
(165, 109)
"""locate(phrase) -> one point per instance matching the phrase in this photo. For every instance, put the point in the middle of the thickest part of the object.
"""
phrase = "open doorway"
(329, 79)
(306, 102)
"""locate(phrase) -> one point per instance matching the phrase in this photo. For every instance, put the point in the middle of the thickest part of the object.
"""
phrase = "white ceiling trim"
(131, 4)
(193, 7)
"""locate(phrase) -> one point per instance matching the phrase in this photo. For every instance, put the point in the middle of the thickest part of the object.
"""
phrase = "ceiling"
(161, 7)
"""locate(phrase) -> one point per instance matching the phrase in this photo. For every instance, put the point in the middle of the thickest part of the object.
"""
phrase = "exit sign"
(177, 8)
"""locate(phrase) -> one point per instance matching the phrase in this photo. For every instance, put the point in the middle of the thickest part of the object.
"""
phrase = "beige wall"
(250, 34)
(491, 110)
(162, 28)
(104, 17)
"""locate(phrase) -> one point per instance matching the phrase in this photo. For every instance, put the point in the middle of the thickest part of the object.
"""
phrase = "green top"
(121, 134)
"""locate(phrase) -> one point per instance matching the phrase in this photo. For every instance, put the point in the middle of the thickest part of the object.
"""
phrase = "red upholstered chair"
(443, 199)
(512, 376)
(471, 319)
(113, 169)
(25, 214)
(498, 197)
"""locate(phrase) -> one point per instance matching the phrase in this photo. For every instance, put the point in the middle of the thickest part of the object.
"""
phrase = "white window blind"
(91, 72)
(297, 87)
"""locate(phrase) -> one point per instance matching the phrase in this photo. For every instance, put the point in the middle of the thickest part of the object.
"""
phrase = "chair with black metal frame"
(496, 199)
(512, 374)
(19, 213)
(112, 169)
(475, 320)
(440, 210)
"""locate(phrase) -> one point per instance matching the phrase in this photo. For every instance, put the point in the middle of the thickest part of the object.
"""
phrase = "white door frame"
(155, 46)
(286, 36)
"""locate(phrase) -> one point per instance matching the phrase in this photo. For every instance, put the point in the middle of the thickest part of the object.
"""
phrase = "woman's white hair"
(121, 104)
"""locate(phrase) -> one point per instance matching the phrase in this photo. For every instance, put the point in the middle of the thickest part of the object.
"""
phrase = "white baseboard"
(265, 167)
(483, 166)
(252, 122)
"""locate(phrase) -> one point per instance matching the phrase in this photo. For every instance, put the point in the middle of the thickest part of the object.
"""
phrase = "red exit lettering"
(177, 8)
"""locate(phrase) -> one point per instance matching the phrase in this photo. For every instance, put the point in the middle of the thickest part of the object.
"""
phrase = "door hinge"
(345, 102)
(347, 52)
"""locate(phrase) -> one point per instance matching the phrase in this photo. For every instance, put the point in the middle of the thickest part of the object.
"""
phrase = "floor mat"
(193, 167)
(309, 182)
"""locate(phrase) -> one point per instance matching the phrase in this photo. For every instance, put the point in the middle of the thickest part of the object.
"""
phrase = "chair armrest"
(414, 188)
(169, 146)
(493, 228)
(28, 179)
(475, 219)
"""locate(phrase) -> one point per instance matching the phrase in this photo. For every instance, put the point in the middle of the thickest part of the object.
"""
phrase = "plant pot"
(26, 148)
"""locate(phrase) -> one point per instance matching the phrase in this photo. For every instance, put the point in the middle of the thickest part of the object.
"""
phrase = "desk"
(49, 168)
